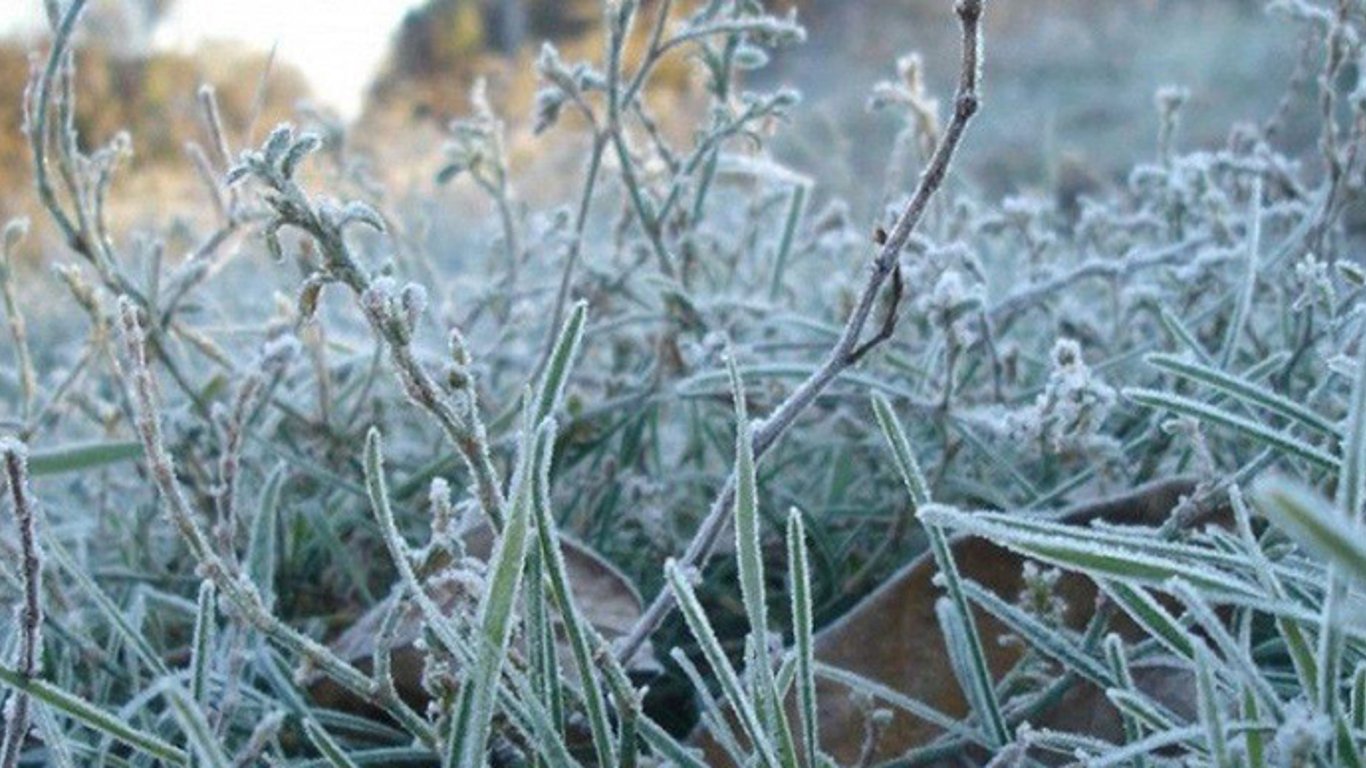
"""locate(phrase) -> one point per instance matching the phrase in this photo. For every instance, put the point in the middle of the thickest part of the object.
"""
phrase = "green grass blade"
(984, 692)
(1257, 431)
(1118, 662)
(93, 717)
(577, 630)
(330, 749)
(1042, 638)
(1211, 715)
(561, 359)
(205, 630)
(261, 544)
(1243, 391)
(1091, 552)
(702, 631)
(902, 454)
(799, 581)
(1150, 615)
(1248, 289)
(78, 457)
(190, 717)
(1315, 523)
(496, 610)
(750, 562)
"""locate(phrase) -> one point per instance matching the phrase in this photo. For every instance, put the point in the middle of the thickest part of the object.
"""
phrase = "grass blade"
(1315, 523)
(78, 457)
(983, 689)
(734, 691)
(1259, 432)
(205, 629)
(561, 360)
(330, 749)
(1242, 390)
(496, 608)
(93, 717)
(799, 579)
(1207, 700)
(261, 546)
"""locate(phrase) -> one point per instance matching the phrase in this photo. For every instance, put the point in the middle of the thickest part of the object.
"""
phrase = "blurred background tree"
(127, 84)
(443, 45)
(1101, 61)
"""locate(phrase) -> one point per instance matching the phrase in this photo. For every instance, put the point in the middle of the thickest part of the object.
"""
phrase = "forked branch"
(850, 347)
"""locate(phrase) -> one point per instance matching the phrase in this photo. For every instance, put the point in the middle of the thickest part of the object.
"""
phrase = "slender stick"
(847, 350)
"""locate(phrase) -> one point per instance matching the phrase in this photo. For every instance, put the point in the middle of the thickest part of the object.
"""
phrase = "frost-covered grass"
(703, 366)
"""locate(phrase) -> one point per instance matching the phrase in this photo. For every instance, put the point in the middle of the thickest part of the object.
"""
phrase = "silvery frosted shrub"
(584, 369)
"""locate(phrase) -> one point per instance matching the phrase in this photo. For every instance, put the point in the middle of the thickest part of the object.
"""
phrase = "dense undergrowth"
(216, 463)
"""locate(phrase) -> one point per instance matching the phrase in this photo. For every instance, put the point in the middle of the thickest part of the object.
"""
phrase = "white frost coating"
(15, 447)
(1301, 734)
(1068, 415)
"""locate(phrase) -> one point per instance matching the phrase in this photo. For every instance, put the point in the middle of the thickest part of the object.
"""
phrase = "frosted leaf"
(306, 145)
(237, 173)
(277, 143)
(1039, 595)
(1131, 557)
(750, 57)
(1315, 284)
(952, 303)
(277, 353)
(413, 302)
(549, 102)
(1067, 416)
(15, 230)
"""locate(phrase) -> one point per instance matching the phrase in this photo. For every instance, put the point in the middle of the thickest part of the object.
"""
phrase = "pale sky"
(338, 44)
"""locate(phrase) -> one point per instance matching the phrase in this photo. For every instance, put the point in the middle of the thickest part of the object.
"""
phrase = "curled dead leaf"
(892, 637)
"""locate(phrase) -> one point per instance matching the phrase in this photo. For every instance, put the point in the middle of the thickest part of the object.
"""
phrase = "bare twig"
(847, 349)
(888, 326)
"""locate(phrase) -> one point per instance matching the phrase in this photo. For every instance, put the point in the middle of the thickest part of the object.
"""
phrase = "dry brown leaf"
(603, 594)
(893, 637)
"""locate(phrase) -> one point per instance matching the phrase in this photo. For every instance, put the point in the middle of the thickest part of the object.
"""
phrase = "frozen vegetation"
(305, 485)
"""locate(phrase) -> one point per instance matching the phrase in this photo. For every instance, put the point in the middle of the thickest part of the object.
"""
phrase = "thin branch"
(847, 349)
(888, 326)
(15, 454)
(244, 596)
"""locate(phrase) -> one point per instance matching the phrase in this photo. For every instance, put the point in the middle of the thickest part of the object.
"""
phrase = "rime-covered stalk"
(243, 595)
(15, 457)
(850, 347)
(86, 180)
(13, 232)
(391, 311)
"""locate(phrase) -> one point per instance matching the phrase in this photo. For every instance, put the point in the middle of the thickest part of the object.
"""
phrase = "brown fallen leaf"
(603, 594)
(892, 637)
